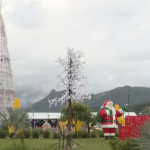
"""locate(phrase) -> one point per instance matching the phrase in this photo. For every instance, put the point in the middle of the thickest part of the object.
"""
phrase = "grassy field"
(87, 144)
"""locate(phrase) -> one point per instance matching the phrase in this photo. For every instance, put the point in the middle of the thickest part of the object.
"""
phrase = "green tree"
(79, 112)
(89, 118)
(15, 119)
(73, 80)
(146, 111)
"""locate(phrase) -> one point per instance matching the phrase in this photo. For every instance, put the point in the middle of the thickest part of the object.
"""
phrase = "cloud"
(114, 35)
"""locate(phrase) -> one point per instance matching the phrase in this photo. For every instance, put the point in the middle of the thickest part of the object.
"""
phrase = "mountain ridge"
(118, 95)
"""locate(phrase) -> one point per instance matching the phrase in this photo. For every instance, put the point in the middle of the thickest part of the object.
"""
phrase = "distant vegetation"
(138, 99)
(137, 108)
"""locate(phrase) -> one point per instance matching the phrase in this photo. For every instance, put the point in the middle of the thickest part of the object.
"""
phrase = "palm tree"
(16, 119)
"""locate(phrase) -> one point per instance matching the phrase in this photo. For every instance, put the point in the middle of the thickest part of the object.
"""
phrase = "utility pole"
(128, 101)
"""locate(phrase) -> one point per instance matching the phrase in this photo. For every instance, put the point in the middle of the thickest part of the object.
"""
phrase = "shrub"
(27, 134)
(46, 134)
(55, 135)
(114, 144)
(17, 146)
(20, 135)
(83, 134)
(11, 135)
(3, 133)
(93, 134)
(117, 134)
(4, 127)
(101, 133)
(129, 144)
(43, 147)
(117, 144)
(74, 135)
(35, 134)
(40, 131)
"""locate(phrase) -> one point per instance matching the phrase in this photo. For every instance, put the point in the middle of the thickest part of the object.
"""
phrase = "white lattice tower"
(7, 92)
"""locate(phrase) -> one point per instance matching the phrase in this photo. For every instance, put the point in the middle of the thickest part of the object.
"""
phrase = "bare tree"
(73, 79)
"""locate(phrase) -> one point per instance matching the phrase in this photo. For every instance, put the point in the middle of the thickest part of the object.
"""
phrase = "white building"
(38, 119)
(129, 114)
(45, 115)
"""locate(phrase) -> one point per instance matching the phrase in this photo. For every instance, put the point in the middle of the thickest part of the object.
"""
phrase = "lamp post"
(128, 101)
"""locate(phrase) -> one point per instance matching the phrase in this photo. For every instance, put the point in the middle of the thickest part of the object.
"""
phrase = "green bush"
(129, 144)
(74, 135)
(35, 134)
(40, 131)
(116, 144)
(117, 134)
(101, 133)
(4, 127)
(23, 146)
(93, 134)
(55, 135)
(46, 134)
(11, 135)
(83, 134)
(18, 135)
(3, 133)
(17, 146)
(27, 134)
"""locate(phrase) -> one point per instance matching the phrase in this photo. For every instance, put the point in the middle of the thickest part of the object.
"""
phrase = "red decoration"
(131, 130)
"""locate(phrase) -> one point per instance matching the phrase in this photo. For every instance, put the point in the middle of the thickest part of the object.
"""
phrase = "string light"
(72, 78)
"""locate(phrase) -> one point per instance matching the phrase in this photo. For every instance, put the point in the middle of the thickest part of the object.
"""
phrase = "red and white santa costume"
(109, 123)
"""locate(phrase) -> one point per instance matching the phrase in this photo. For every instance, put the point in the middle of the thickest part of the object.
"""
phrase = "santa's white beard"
(113, 110)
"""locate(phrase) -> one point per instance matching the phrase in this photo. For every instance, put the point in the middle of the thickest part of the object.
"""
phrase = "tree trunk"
(59, 140)
(63, 138)
(69, 124)
(76, 128)
(88, 129)
(69, 108)
(22, 139)
(14, 135)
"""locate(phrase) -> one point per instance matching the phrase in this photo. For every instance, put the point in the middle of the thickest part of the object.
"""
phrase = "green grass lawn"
(87, 144)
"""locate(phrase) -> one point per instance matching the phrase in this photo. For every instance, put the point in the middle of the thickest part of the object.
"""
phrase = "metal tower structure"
(7, 92)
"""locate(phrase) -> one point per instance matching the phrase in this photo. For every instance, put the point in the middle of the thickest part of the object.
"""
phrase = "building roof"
(48, 115)
(44, 115)
(129, 114)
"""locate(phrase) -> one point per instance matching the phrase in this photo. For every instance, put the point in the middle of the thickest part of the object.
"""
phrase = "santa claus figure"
(108, 115)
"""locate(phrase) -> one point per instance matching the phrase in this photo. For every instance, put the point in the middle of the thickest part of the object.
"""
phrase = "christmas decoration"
(7, 91)
(107, 117)
(73, 80)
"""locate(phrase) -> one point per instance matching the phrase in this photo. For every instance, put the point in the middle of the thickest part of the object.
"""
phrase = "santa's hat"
(106, 102)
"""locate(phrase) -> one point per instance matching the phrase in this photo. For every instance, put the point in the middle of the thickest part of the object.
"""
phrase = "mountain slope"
(117, 95)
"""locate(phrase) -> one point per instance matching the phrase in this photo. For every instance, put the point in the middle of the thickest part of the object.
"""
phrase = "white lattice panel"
(7, 93)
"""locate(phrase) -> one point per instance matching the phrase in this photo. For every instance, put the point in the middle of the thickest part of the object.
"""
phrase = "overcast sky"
(113, 34)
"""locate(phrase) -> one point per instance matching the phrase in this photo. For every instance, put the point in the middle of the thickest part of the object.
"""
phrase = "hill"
(138, 99)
